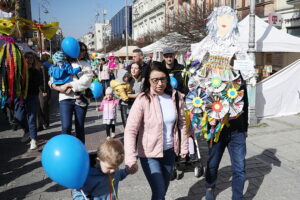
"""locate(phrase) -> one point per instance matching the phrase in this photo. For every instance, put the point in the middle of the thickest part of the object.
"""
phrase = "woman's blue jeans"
(236, 145)
(67, 107)
(158, 172)
(25, 114)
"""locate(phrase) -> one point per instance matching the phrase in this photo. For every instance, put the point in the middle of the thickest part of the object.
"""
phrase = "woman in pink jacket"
(151, 131)
(109, 108)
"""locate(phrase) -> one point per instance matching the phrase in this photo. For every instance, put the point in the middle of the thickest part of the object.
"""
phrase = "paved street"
(273, 164)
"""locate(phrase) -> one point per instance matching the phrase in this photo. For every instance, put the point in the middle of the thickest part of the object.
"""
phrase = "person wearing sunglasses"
(68, 94)
(26, 109)
(151, 132)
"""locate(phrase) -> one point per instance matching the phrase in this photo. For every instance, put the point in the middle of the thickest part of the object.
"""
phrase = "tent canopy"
(267, 37)
(122, 52)
(174, 40)
(278, 95)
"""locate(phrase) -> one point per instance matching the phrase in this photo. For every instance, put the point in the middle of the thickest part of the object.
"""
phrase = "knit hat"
(109, 90)
(59, 56)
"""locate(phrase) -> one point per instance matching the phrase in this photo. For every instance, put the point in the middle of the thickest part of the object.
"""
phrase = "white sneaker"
(108, 138)
(33, 144)
(113, 135)
(25, 137)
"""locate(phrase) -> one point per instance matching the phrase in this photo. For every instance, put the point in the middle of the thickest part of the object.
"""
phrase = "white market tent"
(156, 46)
(267, 37)
(174, 40)
(122, 52)
(279, 94)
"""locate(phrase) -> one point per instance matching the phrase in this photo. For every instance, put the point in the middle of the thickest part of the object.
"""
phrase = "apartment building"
(147, 17)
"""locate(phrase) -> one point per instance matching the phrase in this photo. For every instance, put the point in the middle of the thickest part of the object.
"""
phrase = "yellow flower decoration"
(232, 93)
(197, 102)
(216, 82)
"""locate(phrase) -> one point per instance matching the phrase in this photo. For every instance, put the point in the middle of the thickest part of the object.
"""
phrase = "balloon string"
(83, 195)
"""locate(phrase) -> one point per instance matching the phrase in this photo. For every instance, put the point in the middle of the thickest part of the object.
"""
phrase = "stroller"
(192, 162)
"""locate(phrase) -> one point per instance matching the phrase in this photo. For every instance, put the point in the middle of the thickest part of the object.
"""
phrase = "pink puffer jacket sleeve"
(182, 125)
(134, 122)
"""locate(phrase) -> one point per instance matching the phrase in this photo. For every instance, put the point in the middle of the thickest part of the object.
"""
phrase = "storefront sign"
(275, 19)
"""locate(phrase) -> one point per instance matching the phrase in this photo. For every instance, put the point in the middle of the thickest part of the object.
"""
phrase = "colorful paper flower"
(195, 63)
(195, 101)
(217, 106)
(236, 107)
(187, 55)
(216, 82)
(232, 93)
(217, 109)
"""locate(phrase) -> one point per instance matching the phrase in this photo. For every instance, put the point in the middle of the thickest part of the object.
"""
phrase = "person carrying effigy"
(218, 97)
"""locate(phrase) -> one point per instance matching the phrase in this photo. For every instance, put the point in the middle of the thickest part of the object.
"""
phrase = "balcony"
(293, 2)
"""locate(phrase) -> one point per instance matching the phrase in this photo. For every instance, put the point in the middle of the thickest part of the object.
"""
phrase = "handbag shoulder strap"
(178, 114)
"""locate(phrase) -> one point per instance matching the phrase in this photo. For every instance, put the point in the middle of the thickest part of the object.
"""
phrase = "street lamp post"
(252, 89)
(126, 29)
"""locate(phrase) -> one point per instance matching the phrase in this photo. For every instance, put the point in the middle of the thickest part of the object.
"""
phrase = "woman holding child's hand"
(151, 132)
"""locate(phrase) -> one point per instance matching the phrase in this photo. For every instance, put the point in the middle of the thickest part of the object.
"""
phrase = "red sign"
(275, 19)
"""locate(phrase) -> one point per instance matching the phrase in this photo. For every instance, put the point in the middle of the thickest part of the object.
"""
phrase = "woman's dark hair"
(34, 58)
(128, 77)
(101, 65)
(156, 66)
(140, 66)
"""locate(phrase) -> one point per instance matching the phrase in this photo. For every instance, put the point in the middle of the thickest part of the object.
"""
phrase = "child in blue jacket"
(61, 72)
(103, 179)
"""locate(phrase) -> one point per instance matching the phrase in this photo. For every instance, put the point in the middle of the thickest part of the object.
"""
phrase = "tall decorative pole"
(126, 29)
(252, 89)
(104, 12)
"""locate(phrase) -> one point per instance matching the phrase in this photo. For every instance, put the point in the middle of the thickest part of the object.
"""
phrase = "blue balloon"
(173, 82)
(66, 161)
(70, 47)
(97, 89)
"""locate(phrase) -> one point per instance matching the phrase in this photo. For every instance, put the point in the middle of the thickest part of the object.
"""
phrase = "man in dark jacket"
(175, 69)
(138, 58)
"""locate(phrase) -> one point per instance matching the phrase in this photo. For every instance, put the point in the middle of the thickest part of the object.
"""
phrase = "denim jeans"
(158, 172)
(105, 84)
(124, 112)
(67, 107)
(25, 114)
(236, 144)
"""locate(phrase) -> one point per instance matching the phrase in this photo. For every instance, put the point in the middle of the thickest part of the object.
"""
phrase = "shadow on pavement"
(11, 169)
(256, 168)
(56, 188)
(21, 191)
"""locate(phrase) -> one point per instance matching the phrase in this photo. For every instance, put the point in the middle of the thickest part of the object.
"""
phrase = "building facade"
(174, 8)
(262, 7)
(148, 17)
(89, 40)
(289, 15)
(118, 23)
(102, 34)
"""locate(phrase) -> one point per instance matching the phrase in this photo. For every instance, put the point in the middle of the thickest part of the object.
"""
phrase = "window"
(294, 31)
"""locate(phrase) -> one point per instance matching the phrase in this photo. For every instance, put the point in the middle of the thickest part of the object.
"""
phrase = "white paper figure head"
(222, 23)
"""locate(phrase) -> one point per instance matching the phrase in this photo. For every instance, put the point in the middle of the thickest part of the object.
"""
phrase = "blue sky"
(75, 16)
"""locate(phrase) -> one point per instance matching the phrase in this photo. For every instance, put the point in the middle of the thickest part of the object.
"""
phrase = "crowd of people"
(153, 112)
